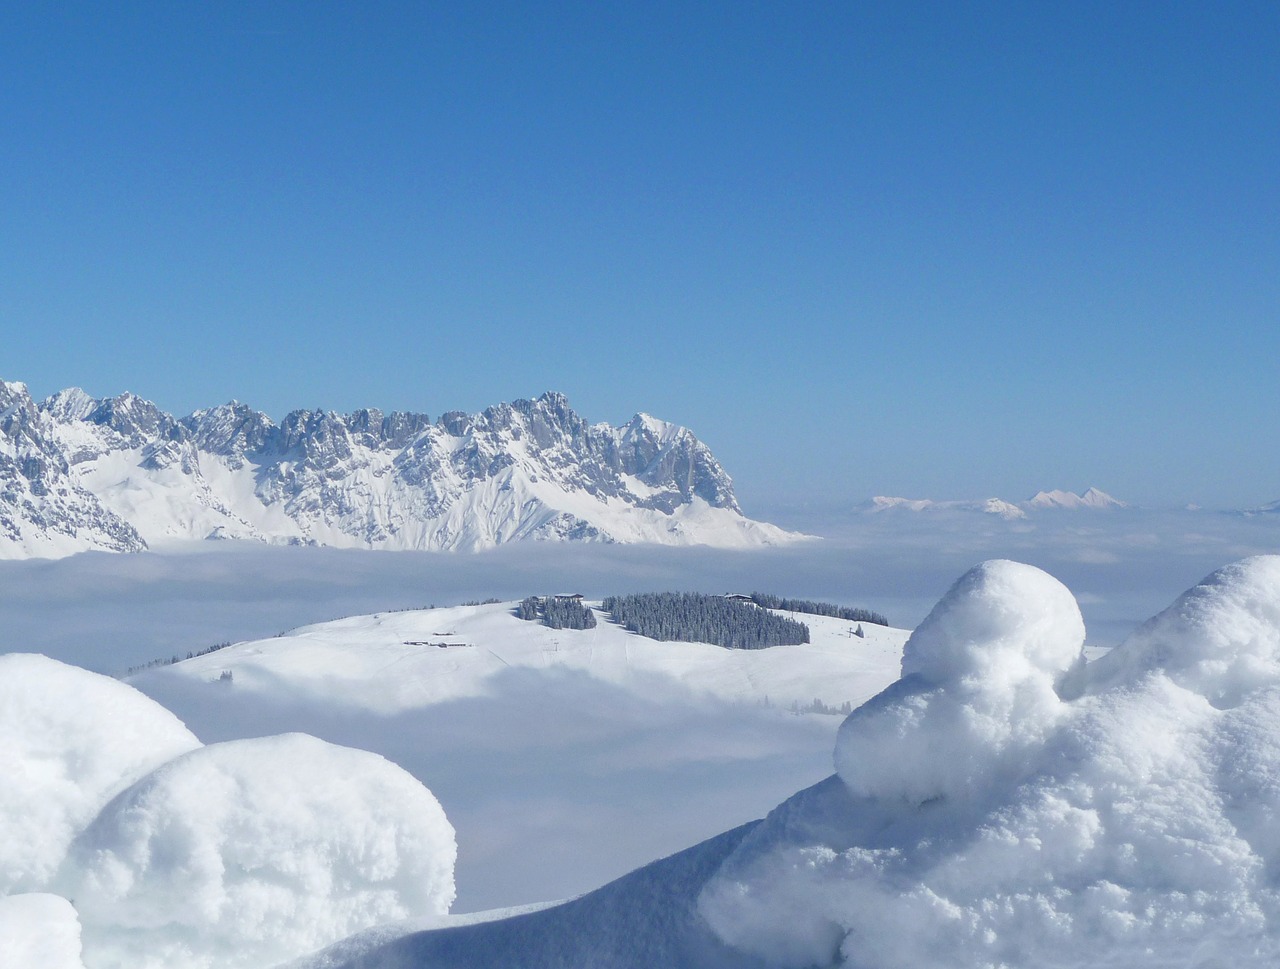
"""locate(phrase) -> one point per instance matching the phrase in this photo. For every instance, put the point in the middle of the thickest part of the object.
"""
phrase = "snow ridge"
(119, 474)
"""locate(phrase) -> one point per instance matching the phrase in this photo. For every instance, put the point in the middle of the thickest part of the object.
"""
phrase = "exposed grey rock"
(42, 507)
(366, 478)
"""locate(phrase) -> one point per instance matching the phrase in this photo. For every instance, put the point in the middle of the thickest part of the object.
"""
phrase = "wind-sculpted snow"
(1219, 639)
(1130, 821)
(977, 695)
(70, 740)
(248, 853)
(188, 857)
(39, 931)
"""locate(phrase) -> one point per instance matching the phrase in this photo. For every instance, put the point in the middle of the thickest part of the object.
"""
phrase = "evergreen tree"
(849, 613)
(693, 617)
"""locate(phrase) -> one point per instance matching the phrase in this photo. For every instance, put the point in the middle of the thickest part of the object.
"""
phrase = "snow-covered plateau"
(516, 726)
(118, 474)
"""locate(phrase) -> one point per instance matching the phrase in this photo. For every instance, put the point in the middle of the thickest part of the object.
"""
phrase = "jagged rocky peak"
(135, 419)
(549, 419)
(232, 429)
(43, 509)
(400, 428)
(528, 469)
(456, 423)
(661, 454)
(319, 438)
(72, 404)
(373, 429)
(19, 416)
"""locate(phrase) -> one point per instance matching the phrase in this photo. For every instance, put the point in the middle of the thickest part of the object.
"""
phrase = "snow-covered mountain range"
(119, 474)
(1092, 500)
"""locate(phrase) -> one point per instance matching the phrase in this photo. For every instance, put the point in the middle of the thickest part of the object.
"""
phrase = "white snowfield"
(1001, 805)
(393, 662)
(551, 750)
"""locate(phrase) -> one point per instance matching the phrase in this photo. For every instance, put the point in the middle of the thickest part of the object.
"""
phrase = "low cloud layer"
(111, 612)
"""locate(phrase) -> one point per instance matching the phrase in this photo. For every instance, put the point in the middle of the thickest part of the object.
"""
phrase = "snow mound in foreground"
(1220, 639)
(39, 932)
(978, 692)
(996, 807)
(70, 740)
(247, 853)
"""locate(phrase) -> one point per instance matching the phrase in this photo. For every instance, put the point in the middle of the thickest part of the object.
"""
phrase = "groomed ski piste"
(1000, 803)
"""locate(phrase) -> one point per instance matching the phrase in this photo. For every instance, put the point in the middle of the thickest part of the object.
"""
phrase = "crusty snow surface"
(125, 842)
(245, 853)
(1000, 805)
(72, 740)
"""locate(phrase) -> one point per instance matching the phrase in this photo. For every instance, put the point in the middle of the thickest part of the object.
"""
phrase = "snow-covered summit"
(1092, 500)
(118, 473)
(44, 507)
(1069, 500)
(989, 506)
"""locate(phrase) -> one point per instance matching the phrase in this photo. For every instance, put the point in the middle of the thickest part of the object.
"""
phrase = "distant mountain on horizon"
(118, 474)
(1091, 500)
(1270, 508)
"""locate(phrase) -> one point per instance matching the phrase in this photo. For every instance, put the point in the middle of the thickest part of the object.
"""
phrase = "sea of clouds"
(111, 612)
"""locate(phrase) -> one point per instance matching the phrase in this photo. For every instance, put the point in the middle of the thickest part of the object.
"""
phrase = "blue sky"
(923, 249)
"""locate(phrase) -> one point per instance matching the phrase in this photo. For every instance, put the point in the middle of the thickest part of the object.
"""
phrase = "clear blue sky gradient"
(947, 250)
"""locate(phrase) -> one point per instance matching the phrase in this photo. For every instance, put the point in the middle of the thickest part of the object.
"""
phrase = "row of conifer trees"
(694, 617)
(850, 613)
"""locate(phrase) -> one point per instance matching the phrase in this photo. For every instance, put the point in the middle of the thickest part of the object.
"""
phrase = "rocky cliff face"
(43, 508)
(118, 473)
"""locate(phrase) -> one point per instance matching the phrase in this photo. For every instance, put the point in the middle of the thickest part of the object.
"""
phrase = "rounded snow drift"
(1138, 827)
(39, 931)
(1220, 639)
(978, 689)
(70, 740)
(1000, 617)
(252, 852)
